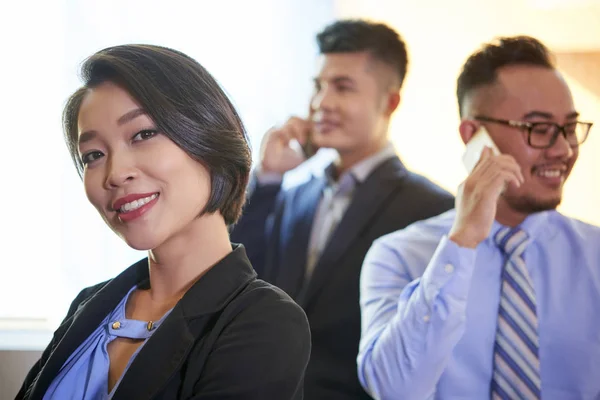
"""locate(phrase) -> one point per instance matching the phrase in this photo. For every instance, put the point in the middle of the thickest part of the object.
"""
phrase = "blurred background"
(263, 53)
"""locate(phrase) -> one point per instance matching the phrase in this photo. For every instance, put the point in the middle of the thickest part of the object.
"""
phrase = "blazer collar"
(368, 201)
(172, 340)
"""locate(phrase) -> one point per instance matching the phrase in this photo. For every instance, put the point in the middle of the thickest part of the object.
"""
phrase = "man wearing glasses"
(497, 298)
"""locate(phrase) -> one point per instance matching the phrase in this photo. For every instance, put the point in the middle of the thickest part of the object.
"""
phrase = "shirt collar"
(534, 224)
(361, 170)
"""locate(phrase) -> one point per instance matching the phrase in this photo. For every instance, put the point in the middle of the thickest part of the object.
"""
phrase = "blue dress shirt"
(429, 310)
(84, 376)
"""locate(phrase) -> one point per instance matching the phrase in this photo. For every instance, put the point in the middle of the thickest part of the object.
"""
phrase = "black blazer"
(231, 336)
(389, 199)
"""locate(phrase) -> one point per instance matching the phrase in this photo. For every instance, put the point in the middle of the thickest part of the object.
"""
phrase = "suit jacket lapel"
(295, 236)
(367, 201)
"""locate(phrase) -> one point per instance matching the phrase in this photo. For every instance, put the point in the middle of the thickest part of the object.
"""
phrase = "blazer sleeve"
(254, 227)
(37, 367)
(261, 354)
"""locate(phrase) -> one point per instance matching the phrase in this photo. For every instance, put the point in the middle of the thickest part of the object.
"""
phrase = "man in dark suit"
(310, 240)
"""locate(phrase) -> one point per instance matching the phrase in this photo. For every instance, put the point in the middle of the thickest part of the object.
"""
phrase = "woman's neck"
(178, 263)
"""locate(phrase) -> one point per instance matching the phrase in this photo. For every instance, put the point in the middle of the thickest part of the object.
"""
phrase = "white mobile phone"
(475, 146)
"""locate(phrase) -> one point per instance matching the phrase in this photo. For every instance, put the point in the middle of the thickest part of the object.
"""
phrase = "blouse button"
(116, 325)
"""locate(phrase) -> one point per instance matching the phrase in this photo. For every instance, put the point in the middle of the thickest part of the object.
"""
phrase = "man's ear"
(467, 129)
(393, 100)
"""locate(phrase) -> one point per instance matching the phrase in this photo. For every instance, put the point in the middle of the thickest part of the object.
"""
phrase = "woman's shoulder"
(268, 300)
(232, 289)
(257, 349)
(267, 311)
(84, 295)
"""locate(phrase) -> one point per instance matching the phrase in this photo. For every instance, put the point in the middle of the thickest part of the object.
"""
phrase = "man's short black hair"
(481, 68)
(382, 42)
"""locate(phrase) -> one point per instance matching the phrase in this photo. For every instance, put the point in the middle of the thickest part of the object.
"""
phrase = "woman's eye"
(144, 135)
(90, 157)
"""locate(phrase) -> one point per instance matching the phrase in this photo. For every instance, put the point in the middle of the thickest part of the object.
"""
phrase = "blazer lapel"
(158, 360)
(85, 321)
(295, 232)
(368, 199)
(168, 348)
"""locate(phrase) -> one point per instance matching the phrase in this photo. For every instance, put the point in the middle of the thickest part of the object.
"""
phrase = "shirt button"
(449, 268)
(116, 325)
(426, 318)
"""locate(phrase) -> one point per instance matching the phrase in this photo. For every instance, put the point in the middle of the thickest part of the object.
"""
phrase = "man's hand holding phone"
(477, 197)
(479, 141)
(278, 153)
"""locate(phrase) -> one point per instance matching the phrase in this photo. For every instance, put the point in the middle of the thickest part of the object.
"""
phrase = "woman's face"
(145, 187)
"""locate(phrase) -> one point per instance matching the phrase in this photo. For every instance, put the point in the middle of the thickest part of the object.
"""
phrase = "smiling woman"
(165, 161)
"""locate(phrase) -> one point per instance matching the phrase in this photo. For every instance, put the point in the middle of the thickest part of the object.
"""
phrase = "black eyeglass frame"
(530, 126)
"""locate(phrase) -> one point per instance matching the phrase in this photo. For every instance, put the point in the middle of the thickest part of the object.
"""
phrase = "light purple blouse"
(84, 376)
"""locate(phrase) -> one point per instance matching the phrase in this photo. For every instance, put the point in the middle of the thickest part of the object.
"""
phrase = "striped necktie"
(516, 363)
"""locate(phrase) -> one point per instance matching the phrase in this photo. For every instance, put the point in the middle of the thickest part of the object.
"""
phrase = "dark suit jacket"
(389, 199)
(231, 336)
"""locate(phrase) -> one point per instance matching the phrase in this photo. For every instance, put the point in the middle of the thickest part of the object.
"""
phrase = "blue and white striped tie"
(516, 362)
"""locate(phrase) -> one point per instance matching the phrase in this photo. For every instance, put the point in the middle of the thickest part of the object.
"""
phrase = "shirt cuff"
(267, 178)
(450, 270)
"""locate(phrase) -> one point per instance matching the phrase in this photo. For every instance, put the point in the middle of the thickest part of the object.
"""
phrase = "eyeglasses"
(542, 135)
